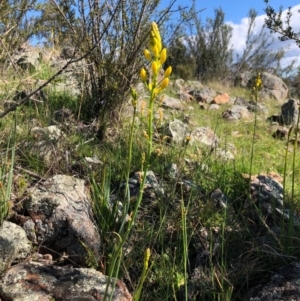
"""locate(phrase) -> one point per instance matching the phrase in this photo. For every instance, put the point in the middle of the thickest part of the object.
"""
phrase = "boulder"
(283, 285)
(35, 281)
(221, 99)
(172, 103)
(237, 112)
(205, 136)
(14, 245)
(273, 86)
(60, 217)
(176, 130)
(205, 94)
(289, 112)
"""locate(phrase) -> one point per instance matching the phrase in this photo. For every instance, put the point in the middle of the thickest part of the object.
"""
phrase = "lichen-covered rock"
(33, 281)
(61, 218)
(14, 245)
(176, 130)
(205, 136)
(236, 113)
(283, 286)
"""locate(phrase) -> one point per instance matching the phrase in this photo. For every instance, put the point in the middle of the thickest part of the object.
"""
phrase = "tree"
(16, 26)
(275, 23)
(209, 47)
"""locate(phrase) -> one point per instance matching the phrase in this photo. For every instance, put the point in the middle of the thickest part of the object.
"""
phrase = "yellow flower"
(163, 55)
(143, 74)
(168, 72)
(155, 67)
(164, 83)
(155, 51)
(155, 38)
(147, 54)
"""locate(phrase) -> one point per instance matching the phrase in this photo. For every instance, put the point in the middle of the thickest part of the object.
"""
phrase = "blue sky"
(236, 12)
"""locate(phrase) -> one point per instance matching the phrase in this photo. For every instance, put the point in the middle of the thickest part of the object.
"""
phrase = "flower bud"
(143, 74)
(155, 51)
(168, 72)
(155, 67)
(164, 83)
(147, 54)
(163, 55)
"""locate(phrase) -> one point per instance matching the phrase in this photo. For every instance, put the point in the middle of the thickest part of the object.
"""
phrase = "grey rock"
(29, 60)
(290, 111)
(237, 112)
(273, 86)
(172, 103)
(205, 94)
(214, 107)
(176, 130)
(205, 136)
(152, 187)
(284, 285)
(34, 281)
(14, 245)
(62, 214)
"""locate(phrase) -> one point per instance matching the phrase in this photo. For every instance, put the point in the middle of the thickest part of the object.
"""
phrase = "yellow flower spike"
(146, 258)
(154, 67)
(164, 83)
(147, 54)
(150, 86)
(143, 74)
(163, 56)
(168, 72)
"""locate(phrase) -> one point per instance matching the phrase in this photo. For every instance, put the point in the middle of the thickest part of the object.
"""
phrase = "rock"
(283, 286)
(51, 133)
(176, 130)
(62, 218)
(289, 112)
(218, 198)
(221, 99)
(63, 115)
(243, 79)
(257, 107)
(224, 154)
(241, 101)
(267, 193)
(281, 133)
(67, 52)
(172, 103)
(273, 86)
(214, 107)
(205, 136)
(205, 94)
(179, 85)
(34, 281)
(14, 245)
(236, 112)
(152, 189)
(185, 96)
(29, 60)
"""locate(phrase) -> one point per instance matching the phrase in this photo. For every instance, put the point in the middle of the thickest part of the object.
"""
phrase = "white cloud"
(240, 31)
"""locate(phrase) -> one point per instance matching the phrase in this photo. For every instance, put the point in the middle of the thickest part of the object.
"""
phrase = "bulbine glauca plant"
(156, 56)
